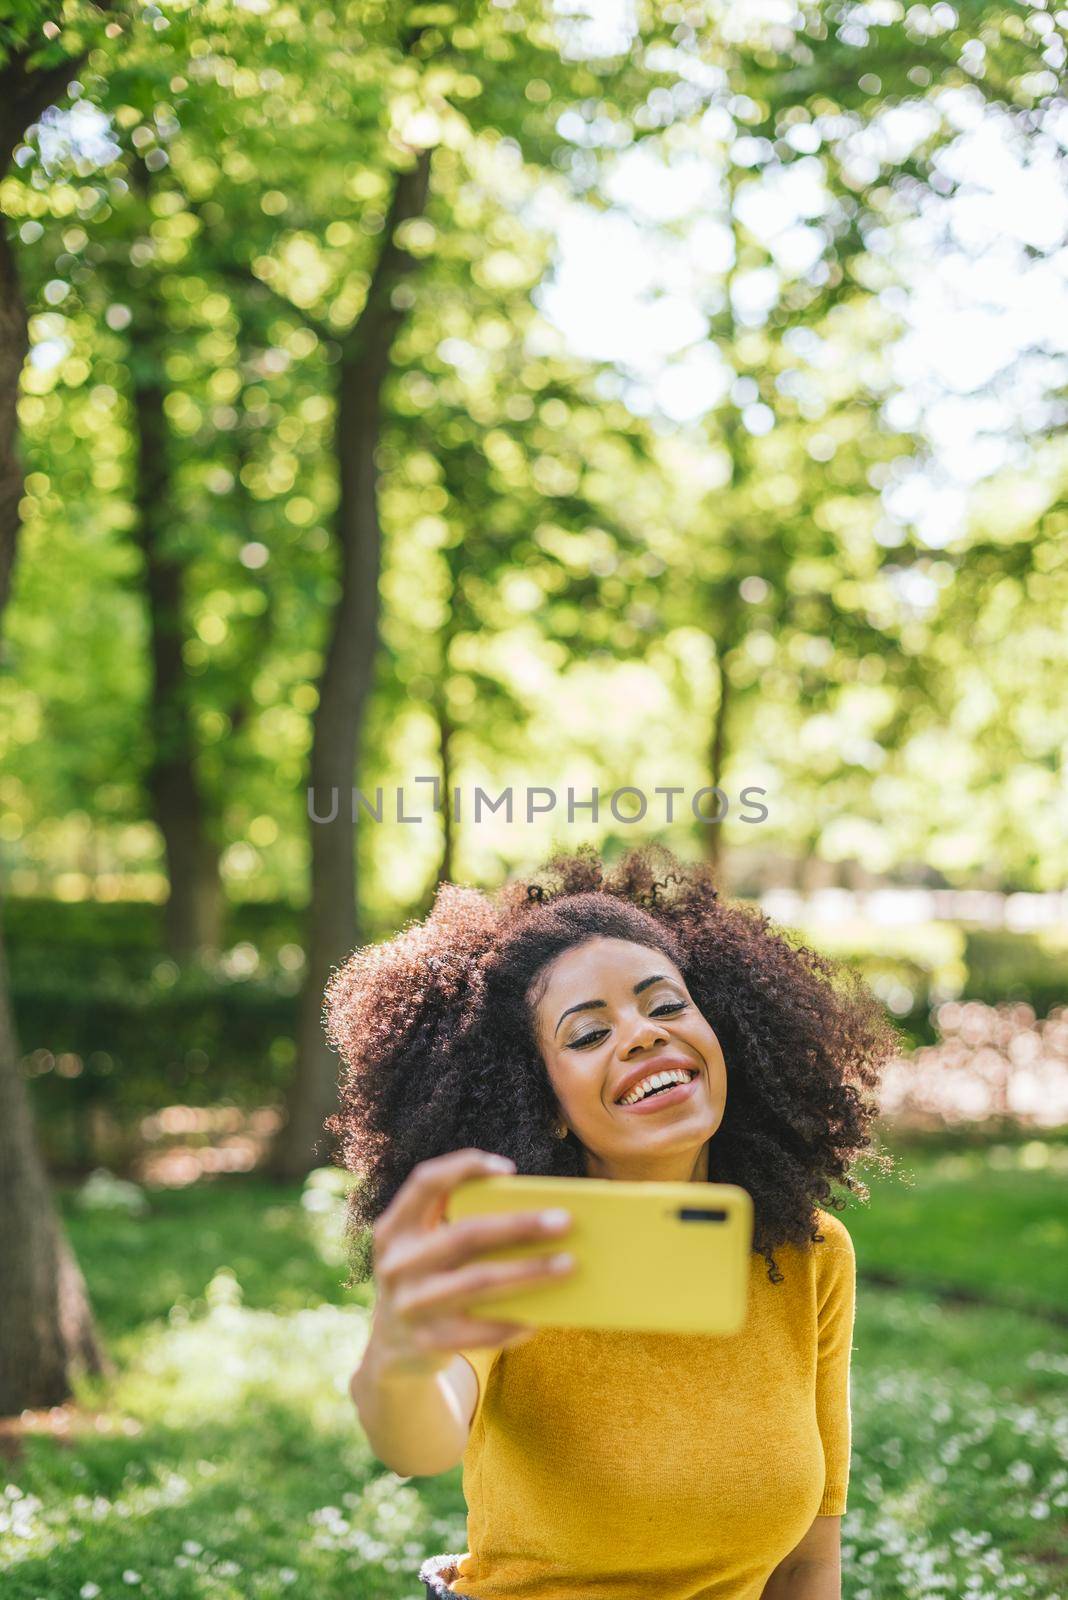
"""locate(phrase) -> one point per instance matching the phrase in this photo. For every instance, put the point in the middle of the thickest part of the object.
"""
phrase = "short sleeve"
(836, 1278)
(480, 1361)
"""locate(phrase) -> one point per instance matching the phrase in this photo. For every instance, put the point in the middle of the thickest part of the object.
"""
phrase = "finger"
(420, 1201)
(455, 1243)
(446, 1291)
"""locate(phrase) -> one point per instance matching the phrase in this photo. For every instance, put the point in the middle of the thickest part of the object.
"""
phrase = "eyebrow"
(590, 1005)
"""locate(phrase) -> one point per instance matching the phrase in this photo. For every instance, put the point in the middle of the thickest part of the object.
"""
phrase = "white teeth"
(656, 1081)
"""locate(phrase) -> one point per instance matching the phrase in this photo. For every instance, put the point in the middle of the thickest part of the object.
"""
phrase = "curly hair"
(435, 1028)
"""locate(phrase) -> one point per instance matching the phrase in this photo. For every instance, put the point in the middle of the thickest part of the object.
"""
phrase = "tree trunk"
(445, 731)
(448, 839)
(717, 756)
(14, 344)
(193, 916)
(46, 1324)
(344, 686)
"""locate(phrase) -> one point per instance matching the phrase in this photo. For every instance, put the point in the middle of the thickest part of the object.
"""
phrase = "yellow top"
(639, 1466)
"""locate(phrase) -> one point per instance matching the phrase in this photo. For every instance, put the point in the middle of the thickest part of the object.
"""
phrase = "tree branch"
(408, 200)
(379, 316)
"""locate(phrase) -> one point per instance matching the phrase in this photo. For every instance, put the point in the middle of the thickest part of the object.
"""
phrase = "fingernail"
(561, 1262)
(500, 1164)
(556, 1218)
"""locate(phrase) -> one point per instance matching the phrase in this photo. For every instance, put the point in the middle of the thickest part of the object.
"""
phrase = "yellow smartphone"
(651, 1257)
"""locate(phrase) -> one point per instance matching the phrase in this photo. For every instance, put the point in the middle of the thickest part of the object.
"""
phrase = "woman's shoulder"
(836, 1235)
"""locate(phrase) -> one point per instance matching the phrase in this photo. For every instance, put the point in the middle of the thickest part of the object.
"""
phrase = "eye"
(667, 1007)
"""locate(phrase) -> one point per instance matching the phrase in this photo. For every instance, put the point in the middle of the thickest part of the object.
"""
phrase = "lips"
(646, 1070)
(652, 1104)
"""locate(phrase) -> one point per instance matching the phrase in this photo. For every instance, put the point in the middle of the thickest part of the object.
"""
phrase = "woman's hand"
(427, 1270)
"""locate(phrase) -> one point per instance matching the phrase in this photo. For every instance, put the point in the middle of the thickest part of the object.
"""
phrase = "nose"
(646, 1032)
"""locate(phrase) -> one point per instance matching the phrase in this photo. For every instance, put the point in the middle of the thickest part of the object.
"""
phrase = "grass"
(990, 1221)
(224, 1461)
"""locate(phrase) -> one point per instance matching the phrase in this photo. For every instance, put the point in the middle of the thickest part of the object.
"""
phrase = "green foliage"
(1017, 966)
(106, 1022)
(123, 939)
(47, 34)
(136, 1047)
(216, 228)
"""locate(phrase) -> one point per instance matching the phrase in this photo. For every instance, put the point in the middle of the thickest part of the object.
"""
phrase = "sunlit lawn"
(224, 1461)
(994, 1221)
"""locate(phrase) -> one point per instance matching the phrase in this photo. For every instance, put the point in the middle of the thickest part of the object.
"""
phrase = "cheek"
(575, 1082)
(710, 1047)
(560, 1076)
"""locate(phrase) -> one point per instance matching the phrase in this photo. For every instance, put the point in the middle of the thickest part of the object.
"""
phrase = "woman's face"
(612, 1014)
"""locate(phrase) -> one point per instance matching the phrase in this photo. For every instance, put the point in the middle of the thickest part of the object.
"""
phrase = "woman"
(611, 1465)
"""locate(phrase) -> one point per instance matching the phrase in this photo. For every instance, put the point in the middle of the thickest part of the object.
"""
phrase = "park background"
(610, 397)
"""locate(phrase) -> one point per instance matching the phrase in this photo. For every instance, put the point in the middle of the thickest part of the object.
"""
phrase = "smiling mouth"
(678, 1080)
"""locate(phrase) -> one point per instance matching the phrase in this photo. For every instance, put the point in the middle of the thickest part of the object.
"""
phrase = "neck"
(683, 1166)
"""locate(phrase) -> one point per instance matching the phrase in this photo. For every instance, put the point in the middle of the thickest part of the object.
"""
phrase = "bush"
(111, 1029)
(1015, 966)
(103, 1051)
(124, 939)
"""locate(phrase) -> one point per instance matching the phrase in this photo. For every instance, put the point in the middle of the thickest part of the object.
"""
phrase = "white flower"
(89, 1591)
(191, 1547)
(130, 1576)
(286, 1575)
